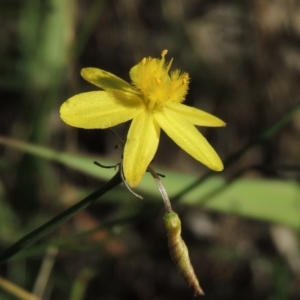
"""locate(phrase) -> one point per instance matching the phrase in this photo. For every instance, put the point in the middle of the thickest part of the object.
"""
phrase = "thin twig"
(16, 290)
(126, 184)
(45, 271)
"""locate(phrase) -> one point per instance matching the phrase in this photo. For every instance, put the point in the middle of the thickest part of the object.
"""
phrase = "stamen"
(185, 79)
(144, 61)
(164, 53)
(169, 65)
(158, 80)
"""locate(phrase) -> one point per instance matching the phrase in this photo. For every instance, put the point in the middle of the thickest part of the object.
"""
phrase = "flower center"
(151, 77)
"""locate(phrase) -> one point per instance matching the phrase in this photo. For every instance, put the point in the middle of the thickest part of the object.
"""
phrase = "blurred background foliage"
(242, 228)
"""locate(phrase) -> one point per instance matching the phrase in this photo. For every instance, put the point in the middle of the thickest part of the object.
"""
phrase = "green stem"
(40, 232)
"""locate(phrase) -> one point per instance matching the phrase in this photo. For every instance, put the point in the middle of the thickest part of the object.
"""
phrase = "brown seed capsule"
(180, 253)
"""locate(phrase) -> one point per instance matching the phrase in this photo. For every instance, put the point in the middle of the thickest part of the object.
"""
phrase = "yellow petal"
(195, 116)
(100, 109)
(186, 136)
(106, 80)
(141, 145)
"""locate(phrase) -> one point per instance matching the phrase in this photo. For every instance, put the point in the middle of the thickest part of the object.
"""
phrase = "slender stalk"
(162, 190)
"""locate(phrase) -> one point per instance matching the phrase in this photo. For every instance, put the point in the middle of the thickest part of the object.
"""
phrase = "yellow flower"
(153, 101)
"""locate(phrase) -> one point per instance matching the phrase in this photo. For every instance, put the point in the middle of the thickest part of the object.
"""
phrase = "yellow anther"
(158, 80)
(164, 53)
(185, 78)
(144, 61)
